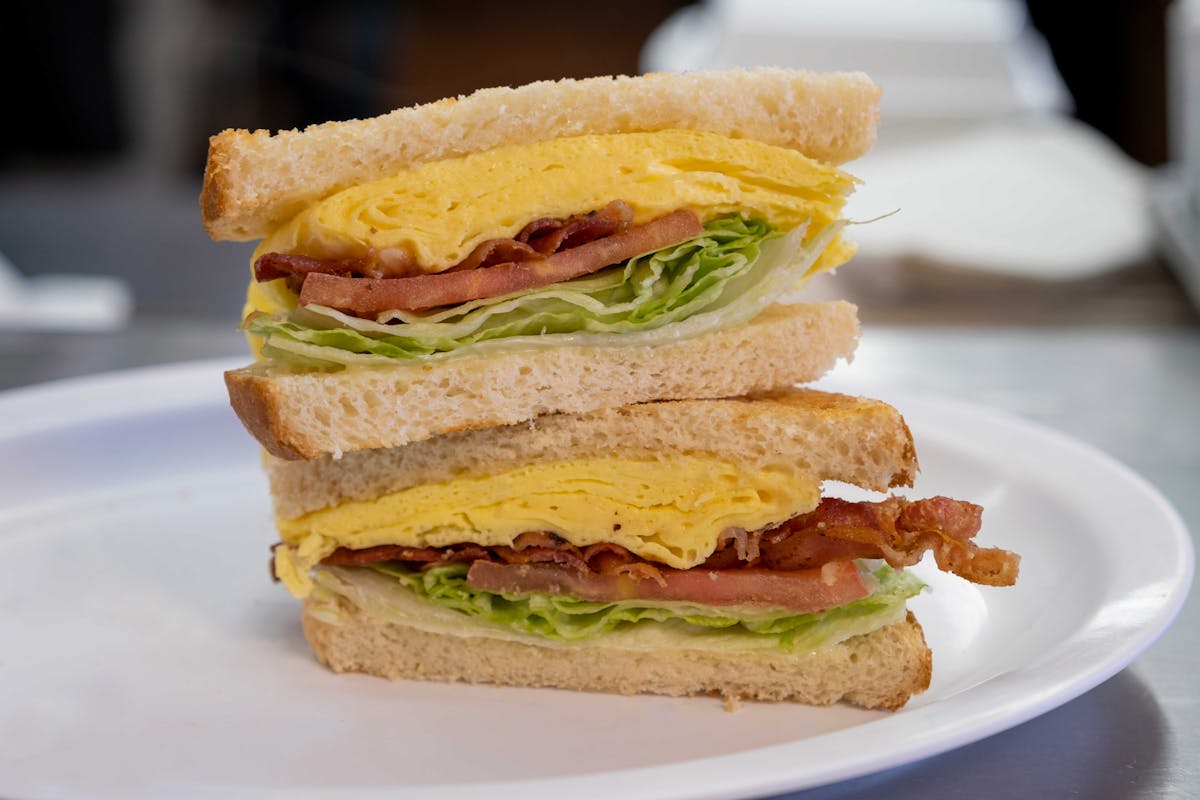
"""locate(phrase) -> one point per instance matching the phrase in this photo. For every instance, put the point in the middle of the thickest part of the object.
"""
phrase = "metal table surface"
(1133, 392)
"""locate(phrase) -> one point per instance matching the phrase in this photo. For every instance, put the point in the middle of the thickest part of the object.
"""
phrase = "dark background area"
(289, 63)
(101, 173)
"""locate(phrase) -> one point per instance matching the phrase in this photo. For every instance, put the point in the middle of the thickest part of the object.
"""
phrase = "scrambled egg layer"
(439, 212)
(670, 511)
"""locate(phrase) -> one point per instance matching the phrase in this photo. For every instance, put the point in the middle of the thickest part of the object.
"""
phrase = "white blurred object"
(974, 149)
(1051, 200)
(936, 59)
(1183, 77)
(61, 302)
(1177, 186)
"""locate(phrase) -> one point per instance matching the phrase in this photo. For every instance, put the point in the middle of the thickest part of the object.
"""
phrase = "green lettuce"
(563, 618)
(721, 278)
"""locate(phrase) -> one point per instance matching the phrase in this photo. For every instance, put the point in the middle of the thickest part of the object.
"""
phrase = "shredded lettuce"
(721, 278)
(566, 619)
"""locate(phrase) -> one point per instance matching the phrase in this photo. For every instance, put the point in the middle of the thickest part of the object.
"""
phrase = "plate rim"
(928, 730)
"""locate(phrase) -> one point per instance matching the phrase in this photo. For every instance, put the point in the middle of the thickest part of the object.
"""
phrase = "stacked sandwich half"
(525, 380)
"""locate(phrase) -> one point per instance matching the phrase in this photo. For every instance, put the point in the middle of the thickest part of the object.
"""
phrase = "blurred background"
(1043, 169)
(1041, 158)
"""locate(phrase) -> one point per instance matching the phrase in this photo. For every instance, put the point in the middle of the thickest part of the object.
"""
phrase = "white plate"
(144, 652)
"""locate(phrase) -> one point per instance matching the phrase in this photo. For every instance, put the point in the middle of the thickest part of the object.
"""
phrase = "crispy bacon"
(897, 530)
(295, 268)
(376, 295)
(531, 539)
(534, 242)
(540, 547)
(607, 558)
(548, 235)
(345, 557)
(901, 532)
(497, 251)
(390, 263)
(782, 550)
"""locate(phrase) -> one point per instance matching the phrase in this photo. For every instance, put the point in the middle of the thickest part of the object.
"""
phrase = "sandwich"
(558, 247)
(525, 378)
(675, 547)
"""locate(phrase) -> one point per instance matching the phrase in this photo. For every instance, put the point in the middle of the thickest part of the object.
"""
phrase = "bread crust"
(255, 181)
(306, 415)
(882, 669)
(834, 437)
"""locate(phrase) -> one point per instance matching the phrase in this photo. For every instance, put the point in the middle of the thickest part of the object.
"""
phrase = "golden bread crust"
(254, 181)
(307, 415)
(882, 669)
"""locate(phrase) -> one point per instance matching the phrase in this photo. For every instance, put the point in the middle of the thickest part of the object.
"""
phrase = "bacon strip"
(536, 240)
(345, 557)
(898, 530)
(493, 251)
(802, 591)
(296, 268)
(548, 235)
(376, 295)
(901, 532)
(270, 266)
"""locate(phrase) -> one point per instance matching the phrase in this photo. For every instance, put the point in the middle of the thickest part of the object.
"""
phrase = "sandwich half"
(557, 247)
(524, 370)
(674, 547)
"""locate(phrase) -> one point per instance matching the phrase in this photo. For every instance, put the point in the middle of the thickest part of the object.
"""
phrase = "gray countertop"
(1132, 392)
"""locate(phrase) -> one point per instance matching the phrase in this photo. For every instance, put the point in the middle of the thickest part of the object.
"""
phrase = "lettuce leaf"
(724, 277)
(562, 618)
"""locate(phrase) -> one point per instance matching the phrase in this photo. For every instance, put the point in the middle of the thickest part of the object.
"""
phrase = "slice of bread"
(832, 436)
(882, 669)
(255, 181)
(305, 415)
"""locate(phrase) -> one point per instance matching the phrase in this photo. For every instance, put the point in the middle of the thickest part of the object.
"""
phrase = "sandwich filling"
(441, 600)
(672, 511)
(574, 549)
(585, 240)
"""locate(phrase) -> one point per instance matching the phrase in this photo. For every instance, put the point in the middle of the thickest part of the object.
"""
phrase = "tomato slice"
(375, 295)
(803, 591)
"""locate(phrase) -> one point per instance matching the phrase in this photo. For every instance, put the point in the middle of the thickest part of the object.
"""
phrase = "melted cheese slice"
(670, 511)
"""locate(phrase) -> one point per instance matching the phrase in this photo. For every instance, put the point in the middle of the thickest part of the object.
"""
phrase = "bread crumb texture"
(882, 669)
(306, 415)
(254, 181)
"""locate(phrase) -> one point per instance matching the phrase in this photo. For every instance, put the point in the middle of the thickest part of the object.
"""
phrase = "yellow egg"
(671, 511)
(440, 211)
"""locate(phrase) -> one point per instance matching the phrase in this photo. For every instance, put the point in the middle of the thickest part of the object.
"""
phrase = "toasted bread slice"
(833, 436)
(255, 181)
(882, 669)
(305, 415)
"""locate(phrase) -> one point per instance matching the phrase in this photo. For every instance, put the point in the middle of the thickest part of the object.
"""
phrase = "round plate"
(144, 650)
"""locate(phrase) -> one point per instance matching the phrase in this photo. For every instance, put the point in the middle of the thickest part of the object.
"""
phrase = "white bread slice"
(255, 181)
(832, 436)
(305, 415)
(882, 669)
